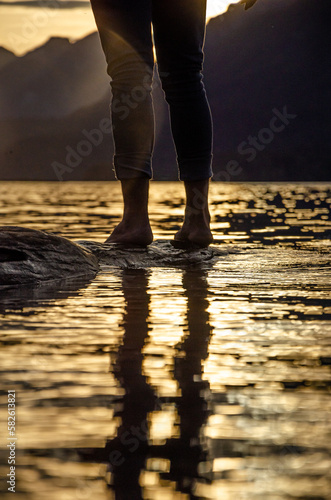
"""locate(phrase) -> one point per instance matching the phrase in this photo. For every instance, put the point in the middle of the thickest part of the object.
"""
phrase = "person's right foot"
(131, 234)
(134, 229)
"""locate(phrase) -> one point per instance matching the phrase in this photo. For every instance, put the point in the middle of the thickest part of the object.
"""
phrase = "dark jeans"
(178, 29)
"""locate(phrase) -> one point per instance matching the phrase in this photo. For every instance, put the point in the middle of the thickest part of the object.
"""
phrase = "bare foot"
(134, 229)
(128, 233)
(195, 232)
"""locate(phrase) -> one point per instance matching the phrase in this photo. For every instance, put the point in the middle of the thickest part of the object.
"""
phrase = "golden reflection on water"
(210, 384)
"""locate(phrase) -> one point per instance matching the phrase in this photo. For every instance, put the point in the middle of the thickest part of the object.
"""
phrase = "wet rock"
(159, 254)
(30, 256)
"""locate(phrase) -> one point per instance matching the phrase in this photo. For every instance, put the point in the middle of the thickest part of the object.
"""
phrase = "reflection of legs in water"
(192, 408)
(125, 33)
(192, 352)
(127, 452)
(187, 451)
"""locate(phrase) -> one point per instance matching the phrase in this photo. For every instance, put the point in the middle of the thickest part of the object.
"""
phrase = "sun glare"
(216, 7)
(25, 28)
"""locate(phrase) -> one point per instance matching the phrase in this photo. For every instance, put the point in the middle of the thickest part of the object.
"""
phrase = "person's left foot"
(195, 232)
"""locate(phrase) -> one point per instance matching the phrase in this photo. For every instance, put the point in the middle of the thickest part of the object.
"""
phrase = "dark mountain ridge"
(268, 76)
(6, 57)
(274, 57)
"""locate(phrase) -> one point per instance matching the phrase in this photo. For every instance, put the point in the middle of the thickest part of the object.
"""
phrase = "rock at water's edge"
(30, 256)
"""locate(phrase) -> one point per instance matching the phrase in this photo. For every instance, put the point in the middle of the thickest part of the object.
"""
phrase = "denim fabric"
(125, 29)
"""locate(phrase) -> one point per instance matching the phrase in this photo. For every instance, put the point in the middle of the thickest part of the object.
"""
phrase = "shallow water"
(169, 383)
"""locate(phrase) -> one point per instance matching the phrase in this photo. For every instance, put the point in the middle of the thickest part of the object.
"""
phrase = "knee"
(182, 86)
(131, 78)
(131, 90)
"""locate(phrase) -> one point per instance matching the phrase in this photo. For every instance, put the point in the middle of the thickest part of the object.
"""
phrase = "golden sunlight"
(216, 7)
(23, 28)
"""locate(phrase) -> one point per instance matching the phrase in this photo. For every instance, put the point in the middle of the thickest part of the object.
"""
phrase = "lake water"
(174, 383)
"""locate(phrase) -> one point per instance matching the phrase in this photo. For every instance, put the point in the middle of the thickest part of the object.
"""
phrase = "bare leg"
(195, 231)
(134, 228)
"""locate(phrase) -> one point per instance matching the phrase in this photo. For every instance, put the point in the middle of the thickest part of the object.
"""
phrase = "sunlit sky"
(26, 24)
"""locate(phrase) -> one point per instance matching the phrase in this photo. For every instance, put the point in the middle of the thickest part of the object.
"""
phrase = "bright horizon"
(25, 27)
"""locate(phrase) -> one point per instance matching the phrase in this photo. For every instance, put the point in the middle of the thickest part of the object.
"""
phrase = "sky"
(27, 24)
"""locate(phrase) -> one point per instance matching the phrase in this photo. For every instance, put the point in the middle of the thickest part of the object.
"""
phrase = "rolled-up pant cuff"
(195, 169)
(132, 166)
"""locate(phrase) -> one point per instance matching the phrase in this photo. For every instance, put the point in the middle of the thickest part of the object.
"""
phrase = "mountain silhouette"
(6, 57)
(267, 73)
(274, 55)
(54, 80)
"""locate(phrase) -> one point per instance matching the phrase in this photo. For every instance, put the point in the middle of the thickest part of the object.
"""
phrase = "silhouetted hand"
(248, 3)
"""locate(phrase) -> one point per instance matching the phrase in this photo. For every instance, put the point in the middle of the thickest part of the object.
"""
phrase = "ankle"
(197, 197)
(197, 216)
(135, 197)
(132, 215)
